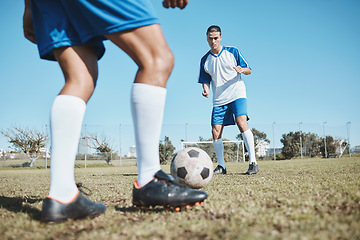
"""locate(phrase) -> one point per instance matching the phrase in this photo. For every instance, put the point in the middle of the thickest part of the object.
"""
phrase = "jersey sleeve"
(204, 77)
(241, 61)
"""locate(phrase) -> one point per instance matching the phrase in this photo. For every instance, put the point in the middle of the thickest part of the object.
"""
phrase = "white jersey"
(218, 71)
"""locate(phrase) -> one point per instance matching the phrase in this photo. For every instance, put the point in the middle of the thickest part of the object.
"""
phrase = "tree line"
(295, 144)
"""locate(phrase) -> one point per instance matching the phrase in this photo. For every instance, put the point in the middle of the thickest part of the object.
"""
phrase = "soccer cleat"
(80, 207)
(220, 170)
(253, 169)
(164, 191)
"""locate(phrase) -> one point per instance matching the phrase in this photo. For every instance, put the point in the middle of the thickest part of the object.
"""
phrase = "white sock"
(66, 119)
(147, 107)
(249, 143)
(219, 150)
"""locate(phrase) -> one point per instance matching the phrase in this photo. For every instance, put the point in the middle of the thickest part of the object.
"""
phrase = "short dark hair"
(213, 28)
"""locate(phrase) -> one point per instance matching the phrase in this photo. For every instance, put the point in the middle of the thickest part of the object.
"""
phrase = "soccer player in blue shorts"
(221, 67)
(72, 32)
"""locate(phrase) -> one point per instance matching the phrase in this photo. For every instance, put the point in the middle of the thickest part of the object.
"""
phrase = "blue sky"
(304, 56)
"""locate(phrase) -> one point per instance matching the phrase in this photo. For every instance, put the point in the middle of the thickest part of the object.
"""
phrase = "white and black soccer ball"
(193, 167)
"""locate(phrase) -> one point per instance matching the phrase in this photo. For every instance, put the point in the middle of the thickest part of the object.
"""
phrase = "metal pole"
(325, 139)
(348, 125)
(120, 142)
(46, 148)
(4, 157)
(237, 152)
(86, 142)
(243, 148)
(186, 132)
(301, 154)
(273, 128)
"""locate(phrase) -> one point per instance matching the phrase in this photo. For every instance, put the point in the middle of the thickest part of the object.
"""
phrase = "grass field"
(297, 199)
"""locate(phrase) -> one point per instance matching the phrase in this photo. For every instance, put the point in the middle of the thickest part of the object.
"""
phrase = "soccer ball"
(193, 167)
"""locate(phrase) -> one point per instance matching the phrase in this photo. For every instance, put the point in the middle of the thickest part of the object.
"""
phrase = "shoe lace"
(81, 187)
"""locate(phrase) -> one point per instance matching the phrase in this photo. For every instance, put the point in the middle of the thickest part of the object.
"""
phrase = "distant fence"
(122, 139)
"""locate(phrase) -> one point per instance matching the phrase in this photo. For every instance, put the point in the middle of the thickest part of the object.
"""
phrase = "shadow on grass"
(21, 204)
(129, 174)
(232, 174)
(133, 209)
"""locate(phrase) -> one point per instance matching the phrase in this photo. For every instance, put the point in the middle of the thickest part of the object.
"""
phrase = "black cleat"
(164, 191)
(253, 169)
(80, 207)
(219, 170)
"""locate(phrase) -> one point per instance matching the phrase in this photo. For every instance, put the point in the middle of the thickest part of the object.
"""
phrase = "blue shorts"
(226, 114)
(61, 23)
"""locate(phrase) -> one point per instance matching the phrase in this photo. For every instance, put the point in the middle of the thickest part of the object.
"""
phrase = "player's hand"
(245, 71)
(239, 69)
(28, 25)
(206, 93)
(175, 3)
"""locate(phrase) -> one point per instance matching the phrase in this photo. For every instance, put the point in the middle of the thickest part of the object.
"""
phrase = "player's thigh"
(145, 45)
(78, 62)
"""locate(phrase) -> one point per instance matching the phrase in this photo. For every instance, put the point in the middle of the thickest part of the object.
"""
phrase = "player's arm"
(245, 71)
(206, 88)
(175, 3)
(27, 23)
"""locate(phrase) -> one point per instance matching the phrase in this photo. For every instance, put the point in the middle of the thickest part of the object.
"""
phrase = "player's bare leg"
(248, 138)
(79, 66)
(218, 144)
(80, 69)
(150, 51)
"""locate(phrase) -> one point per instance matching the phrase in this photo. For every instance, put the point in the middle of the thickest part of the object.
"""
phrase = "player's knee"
(81, 83)
(165, 62)
(161, 62)
(216, 134)
(243, 126)
(156, 70)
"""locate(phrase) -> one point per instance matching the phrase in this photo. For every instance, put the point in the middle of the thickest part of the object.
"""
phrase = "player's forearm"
(246, 71)
(206, 87)
(27, 4)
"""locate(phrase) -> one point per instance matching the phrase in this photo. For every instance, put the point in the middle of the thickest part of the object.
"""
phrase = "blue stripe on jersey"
(238, 56)
(204, 77)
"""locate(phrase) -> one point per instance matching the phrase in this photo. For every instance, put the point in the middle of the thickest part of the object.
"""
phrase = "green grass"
(297, 199)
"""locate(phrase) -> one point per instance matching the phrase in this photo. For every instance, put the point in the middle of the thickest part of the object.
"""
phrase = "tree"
(166, 150)
(101, 145)
(291, 142)
(29, 141)
(310, 144)
(330, 146)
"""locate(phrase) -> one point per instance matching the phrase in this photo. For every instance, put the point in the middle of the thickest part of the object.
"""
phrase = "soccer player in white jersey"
(221, 67)
(72, 32)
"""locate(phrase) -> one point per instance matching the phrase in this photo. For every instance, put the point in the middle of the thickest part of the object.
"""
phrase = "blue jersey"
(218, 71)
